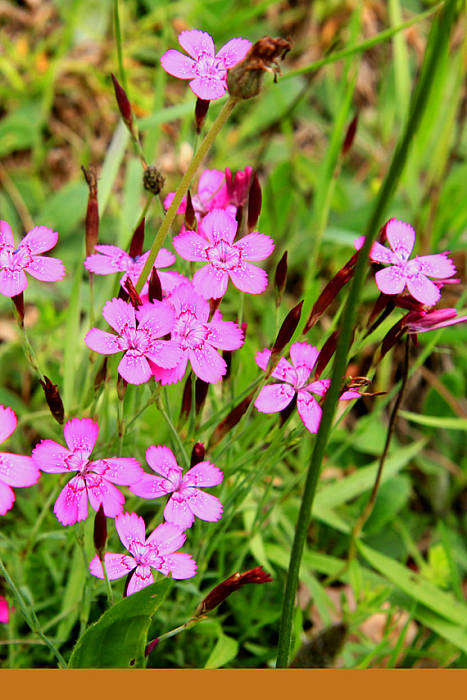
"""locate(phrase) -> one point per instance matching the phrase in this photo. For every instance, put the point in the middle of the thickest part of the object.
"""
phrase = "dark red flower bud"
(123, 103)
(92, 213)
(287, 329)
(101, 374)
(238, 187)
(150, 646)
(186, 398)
(132, 293)
(201, 391)
(18, 301)
(137, 240)
(197, 454)
(190, 218)
(325, 354)
(254, 203)
(230, 421)
(121, 387)
(53, 398)
(100, 532)
(231, 584)
(245, 78)
(350, 135)
(153, 180)
(227, 355)
(154, 287)
(280, 278)
(394, 334)
(201, 109)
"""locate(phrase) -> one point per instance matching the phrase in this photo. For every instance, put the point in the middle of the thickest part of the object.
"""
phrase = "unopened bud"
(121, 387)
(18, 301)
(280, 278)
(325, 354)
(350, 135)
(254, 203)
(154, 286)
(238, 186)
(123, 103)
(201, 109)
(100, 532)
(394, 334)
(53, 398)
(92, 212)
(287, 329)
(244, 80)
(135, 299)
(230, 421)
(201, 391)
(137, 240)
(186, 398)
(150, 646)
(101, 374)
(231, 584)
(197, 454)
(153, 180)
(190, 218)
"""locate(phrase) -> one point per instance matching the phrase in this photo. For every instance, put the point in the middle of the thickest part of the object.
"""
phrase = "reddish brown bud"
(227, 356)
(230, 421)
(280, 278)
(53, 398)
(350, 135)
(18, 301)
(287, 329)
(201, 109)
(150, 646)
(100, 532)
(121, 387)
(92, 213)
(325, 354)
(254, 203)
(186, 398)
(394, 335)
(190, 218)
(197, 454)
(123, 103)
(245, 78)
(132, 293)
(154, 287)
(137, 240)
(101, 374)
(231, 584)
(201, 391)
(153, 180)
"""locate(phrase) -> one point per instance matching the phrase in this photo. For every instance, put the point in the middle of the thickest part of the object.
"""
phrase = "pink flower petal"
(225, 335)
(18, 470)
(255, 246)
(4, 610)
(303, 355)
(116, 565)
(180, 565)
(119, 315)
(186, 298)
(208, 87)
(178, 65)
(274, 398)
(141, 578)
(167, 537)
(204, 505)
(196, 43)
(50, 457)
(202, 474)
(207, 364)
(191, 246)
(71, 505)
(348, 395)
(423, 290)
(134, 367)
(319, 387)
(439, 266)
(262, 358)
(249, 278)
(219, 226)
(164, 258)
(179, 512)
(107, 260)
(119, 470)
(131, 529)
(380, 253)
(7, 422)
(170, 280)
(150, 486)
(211, 283)
(157, 317)
(391, 280)
(103, 342)
(401, 237)
(81, 434)
(6, 235)
(170, 376)
(212, 189)
(7, 498)
(46, 269)
(12, 282)
(39, 239)
(234, 51)
(161, 460)
(102, 491)
(169, 199)
(309, 411)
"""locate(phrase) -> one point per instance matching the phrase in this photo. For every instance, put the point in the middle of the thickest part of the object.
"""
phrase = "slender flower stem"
(437, 45)
(31, 617)
(183, 187)
(160, 405)
(118, 39)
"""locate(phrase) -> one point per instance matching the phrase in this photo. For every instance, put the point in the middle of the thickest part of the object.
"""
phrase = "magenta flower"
(403, 272)
(15, 470)
(275, 397)
(198, 340)
(4, 610)
(212, 194)
(94, 479)
(158, 551)
(225, 258)
(25, 258)
(186, 501)
(422, 321)
(140, 343)
(110, 259)
(205, 70)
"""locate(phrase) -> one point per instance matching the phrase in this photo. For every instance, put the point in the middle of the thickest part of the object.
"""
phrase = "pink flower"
(411, 273)
(158, 551)
(25, 258)
(15, 470)
(139, 342)
(4, 610)
(238, 187)
(94, 479)
(212, 194)
(197, 339)
(225, 258)
(276, 397)
(186, 501)
(110, 259)
(205, 70)
(420, 322)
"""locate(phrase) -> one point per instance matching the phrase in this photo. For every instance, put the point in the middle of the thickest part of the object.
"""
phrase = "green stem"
(118, 38)
(437, 44)
(183, 187)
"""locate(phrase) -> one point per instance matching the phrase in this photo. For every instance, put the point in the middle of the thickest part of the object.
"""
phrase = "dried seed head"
(153, 180)
(53, 398)
(245, 78)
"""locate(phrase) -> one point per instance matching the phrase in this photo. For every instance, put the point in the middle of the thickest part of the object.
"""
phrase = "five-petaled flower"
(197, 339)
(275, 397)
(205, 70)
(224, 258)
(139, 342)
(15, 470)
(15, 262)
(403, 272)
(94, 479)
(186, 501)
(158, 551)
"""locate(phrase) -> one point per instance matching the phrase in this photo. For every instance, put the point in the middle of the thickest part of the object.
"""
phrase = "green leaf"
(118, 638)
(435, 421)
(72, 594)
(225, 650)
(392, 497)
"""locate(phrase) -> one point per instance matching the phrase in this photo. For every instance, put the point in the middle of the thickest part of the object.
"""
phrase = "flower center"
(77, 462)
(188, 331)
(224, 256)
(210, 67)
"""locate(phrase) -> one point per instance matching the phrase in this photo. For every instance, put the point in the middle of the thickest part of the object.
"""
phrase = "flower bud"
(153, 180)
(230, 421)
(280, 278)
(190, 218)
(154, 287)
(101, 374)
(186, 398)
(92, 212)
(325, 354)
(201, 391)
(201, 109)
(137, 240)
(53, 398)
(123, 103)
(18, 301)
(231, 584)
(254, 203)
(197, 454)
(238, 187)
(100, 532)
(121, 387)
(135, 299)
(150, 646)
(244, 80)
(287, 329)
(350, 135)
